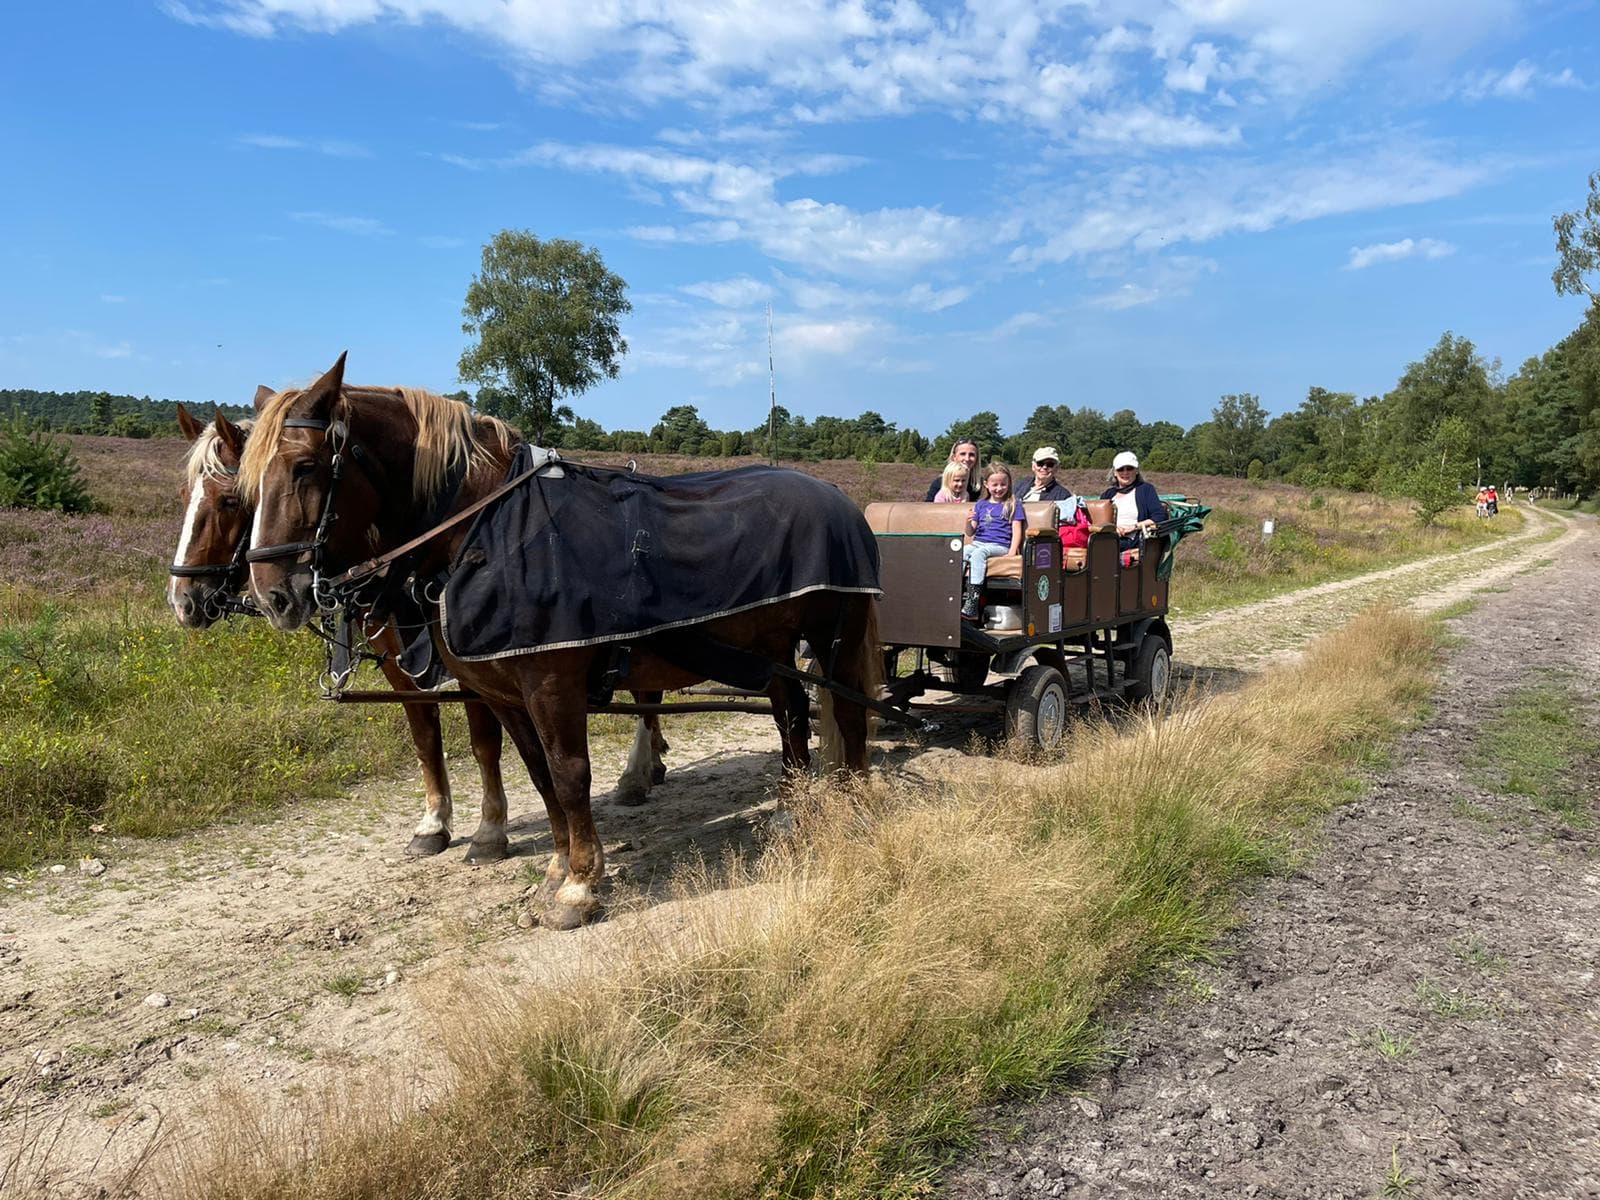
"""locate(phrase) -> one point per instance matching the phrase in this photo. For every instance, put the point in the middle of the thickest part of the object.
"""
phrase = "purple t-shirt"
(990, 518)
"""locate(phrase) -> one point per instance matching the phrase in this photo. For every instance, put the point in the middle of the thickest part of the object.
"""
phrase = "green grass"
(1397, 1181)
(1450, 1003)
(1390, 1044)
(343, 985)
(1534, 747)
(1229, 563)
(119, 718)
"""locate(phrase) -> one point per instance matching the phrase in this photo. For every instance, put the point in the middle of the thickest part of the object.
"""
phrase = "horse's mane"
(204, 460)
(449, 436)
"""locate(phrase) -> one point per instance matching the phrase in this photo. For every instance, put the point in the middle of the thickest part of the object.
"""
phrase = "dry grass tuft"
(826, 1022)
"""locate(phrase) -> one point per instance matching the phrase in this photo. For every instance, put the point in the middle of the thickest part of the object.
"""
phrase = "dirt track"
(310, 945)
(1416, 1003)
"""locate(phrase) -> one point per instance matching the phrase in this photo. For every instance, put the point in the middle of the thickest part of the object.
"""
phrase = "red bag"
(1076, 535)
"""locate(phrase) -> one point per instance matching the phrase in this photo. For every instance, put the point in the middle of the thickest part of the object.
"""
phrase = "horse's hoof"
(658, 775)
(424, 845)
(480, 853)
(568, 916)
(545, 894)
(632, 797)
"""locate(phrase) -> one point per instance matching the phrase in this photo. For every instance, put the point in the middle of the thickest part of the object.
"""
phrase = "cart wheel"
(1151, 674)
(1036, 706)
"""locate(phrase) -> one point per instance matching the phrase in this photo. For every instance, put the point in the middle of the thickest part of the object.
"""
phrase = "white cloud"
(1362, 257)
(1516, 83)
(1129, 295)
(1156, 207)
(1034, 60)
(1014, 324)
(360, 226)
(331, 147)
(930, 299)
(1146, 127)
(825, 337)
(1193, 75)
(731, 293)
(738, 201)
(109, 298)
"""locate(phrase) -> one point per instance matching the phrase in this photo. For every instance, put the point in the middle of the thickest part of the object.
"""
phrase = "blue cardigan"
(1150, 508)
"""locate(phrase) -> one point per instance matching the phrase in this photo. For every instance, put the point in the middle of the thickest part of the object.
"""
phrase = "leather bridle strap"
(325, 522)
(207, 570)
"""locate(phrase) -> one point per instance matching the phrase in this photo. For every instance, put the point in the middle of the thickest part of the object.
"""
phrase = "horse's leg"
(645, 767)
(859, 666)
(562, 720)
(489, 841)
(517, 723)
(658, 745)
(432, 833)
(791, 710)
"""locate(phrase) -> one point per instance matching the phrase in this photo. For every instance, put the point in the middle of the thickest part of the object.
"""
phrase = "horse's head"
(208, 567)
(315, 499)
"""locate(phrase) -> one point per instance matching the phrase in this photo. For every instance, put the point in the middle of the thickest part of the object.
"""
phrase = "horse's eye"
(303, 469)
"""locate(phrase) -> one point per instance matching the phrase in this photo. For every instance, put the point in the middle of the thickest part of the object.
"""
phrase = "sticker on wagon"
(1055, 618)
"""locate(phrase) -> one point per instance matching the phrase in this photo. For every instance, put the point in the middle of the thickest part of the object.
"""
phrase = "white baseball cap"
(1126, 459)
(1044, 453)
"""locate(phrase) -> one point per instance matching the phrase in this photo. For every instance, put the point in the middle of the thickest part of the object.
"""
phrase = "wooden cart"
(1084, 625)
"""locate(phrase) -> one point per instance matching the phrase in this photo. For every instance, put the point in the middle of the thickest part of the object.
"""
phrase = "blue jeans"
(978, 555)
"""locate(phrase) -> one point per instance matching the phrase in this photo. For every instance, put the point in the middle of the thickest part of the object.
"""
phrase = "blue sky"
(1114, 203)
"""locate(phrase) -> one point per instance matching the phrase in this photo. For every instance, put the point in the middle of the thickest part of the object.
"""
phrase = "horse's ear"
(232, 436)
(324, 393)
(190, 427)
(263, 394)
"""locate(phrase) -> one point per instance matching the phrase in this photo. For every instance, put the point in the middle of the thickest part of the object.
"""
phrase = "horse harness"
(228, 599)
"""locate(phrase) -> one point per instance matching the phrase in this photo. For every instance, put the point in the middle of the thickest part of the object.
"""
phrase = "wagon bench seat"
(904, 517)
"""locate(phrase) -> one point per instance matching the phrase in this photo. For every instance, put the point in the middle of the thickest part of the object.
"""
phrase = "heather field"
(116, 717)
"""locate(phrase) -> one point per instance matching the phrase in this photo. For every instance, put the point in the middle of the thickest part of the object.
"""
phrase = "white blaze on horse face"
(190, 518)
(255, 540)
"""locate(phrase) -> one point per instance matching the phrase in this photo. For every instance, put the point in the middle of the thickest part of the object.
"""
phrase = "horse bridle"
(229, 599)
(338, 434)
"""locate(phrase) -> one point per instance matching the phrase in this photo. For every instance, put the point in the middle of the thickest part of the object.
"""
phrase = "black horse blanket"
(583, 555)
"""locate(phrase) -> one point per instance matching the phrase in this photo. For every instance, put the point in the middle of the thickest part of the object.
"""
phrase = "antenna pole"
(772, 395)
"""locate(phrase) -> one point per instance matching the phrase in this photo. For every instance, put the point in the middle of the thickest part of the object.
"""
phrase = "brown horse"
(207, 577)
(337, 475)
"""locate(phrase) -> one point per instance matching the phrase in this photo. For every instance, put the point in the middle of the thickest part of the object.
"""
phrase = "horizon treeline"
(1538, 428)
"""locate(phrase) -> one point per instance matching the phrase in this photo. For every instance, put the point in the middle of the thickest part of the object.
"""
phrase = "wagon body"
(1091, 626)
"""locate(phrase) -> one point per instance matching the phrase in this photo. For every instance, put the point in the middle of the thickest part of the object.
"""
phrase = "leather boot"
(970, 602)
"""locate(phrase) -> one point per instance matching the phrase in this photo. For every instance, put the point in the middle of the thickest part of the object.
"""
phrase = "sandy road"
(1412, 1011)
(309, 947)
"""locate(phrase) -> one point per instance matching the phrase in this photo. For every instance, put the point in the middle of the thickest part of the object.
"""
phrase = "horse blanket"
(583, 555)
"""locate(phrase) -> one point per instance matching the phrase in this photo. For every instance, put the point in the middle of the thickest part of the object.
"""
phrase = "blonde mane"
(449, 436)
(204, 460)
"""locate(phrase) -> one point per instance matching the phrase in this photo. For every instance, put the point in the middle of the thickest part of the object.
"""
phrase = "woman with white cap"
(1138, 504)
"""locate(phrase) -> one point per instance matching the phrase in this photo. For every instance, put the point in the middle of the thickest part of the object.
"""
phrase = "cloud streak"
(1362, 257)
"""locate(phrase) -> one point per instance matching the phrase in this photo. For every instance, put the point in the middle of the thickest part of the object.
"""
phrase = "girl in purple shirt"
(994, 528)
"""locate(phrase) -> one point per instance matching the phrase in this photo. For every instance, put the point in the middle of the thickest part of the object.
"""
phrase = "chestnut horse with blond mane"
(337, 476)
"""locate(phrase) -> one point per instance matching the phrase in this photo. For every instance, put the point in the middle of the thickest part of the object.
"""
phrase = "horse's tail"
(860, 666)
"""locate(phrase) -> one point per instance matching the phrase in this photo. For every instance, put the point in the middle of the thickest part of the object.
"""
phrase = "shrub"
(38, 470)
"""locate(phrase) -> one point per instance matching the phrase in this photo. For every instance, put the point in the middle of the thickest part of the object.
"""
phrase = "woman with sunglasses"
(1138, 504)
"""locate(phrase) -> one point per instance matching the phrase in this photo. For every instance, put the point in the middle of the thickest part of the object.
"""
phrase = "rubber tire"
(1149, 679)
(1036, 706)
